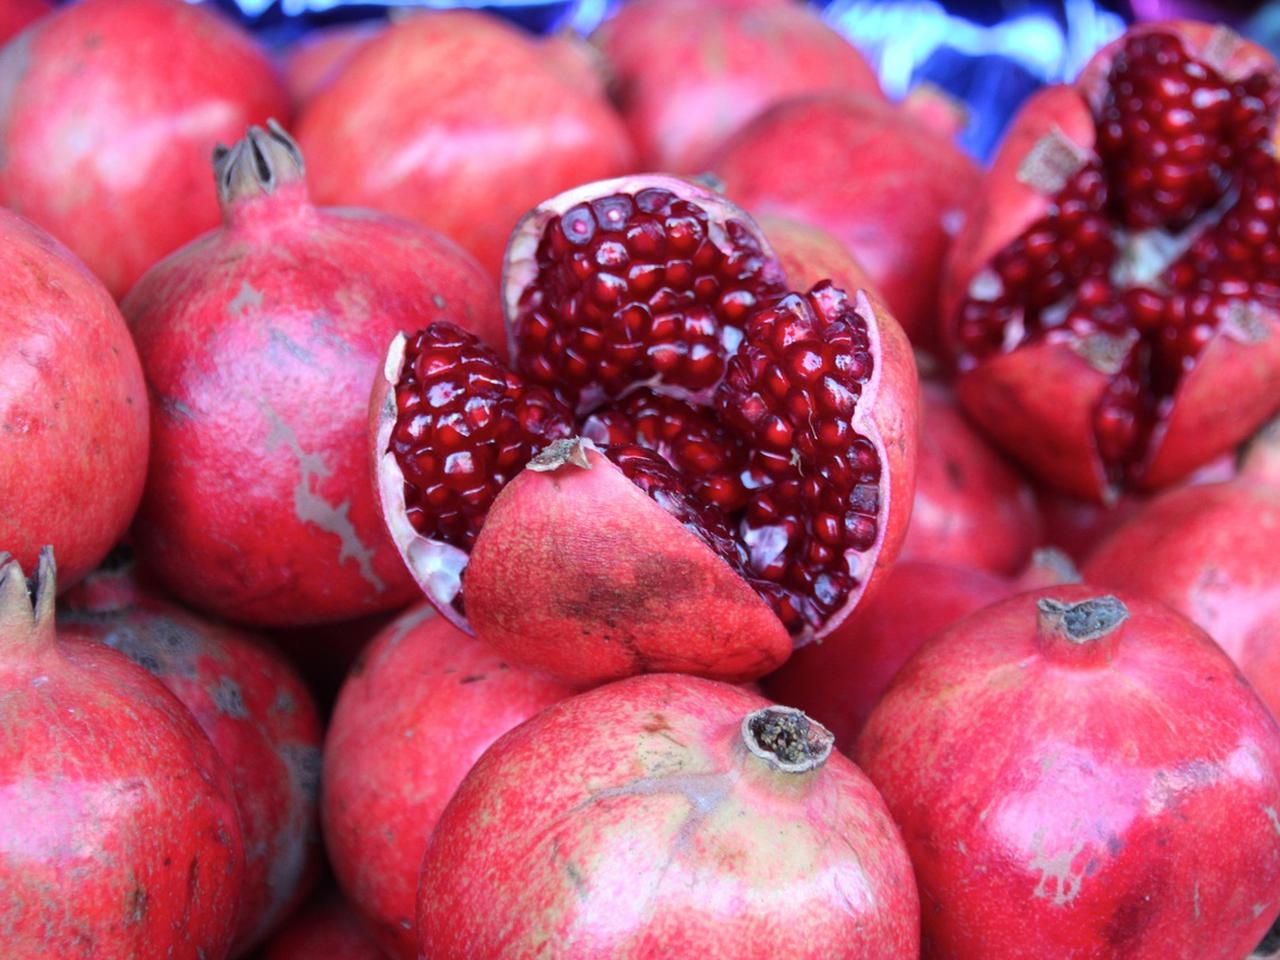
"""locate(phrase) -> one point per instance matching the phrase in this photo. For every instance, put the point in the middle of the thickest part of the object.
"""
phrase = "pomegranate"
(667, 816)
(261, 325)
(460, 121)
(17, 15)
(1112, 300)
(1085, 775)
(325, 653)
(73, 406)
(972, 508)
(420, 706)
(118, 828)
(809, 255)
(108, 112)
(253, 708)
(326, 929)
(312, 63)
(885, 183)
(1209, 552)
(649, 317)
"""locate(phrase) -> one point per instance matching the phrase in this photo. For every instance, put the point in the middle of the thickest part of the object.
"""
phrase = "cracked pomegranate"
(118, 828)
(667, 817)
(1090, 771)
(1112, 299)
(258, 341)
(743, 461)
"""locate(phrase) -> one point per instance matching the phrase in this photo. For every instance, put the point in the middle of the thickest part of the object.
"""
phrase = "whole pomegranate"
(312, 63)
(1081, 775)
(73, 406)
(1112, 299)
(326, 929)
(17, 15)
(460, 121)
(1209, 552)
(688, 73)
(717, 468)
(667, 817)
(118, 829)
(885, 183)
(418, 709)
(111, 108)
(252, 707)
(258, 341)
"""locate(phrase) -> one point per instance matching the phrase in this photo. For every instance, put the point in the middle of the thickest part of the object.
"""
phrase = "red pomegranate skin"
(809, 255)
(325, 929)
(109, 110)
(73, 406)
(890, 187)
(254, 709)
(1106, 797)
(972, 507)
(259, 342)
(637, 824)
(461, 122)
(310, 64)
(17, 15)
(119, 837)
(418, 709)
(324, 653)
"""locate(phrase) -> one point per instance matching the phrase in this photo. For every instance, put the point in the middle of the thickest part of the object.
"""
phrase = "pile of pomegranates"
(637, 495)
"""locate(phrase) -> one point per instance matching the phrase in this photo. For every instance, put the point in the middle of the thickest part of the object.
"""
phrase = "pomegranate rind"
(809, 254)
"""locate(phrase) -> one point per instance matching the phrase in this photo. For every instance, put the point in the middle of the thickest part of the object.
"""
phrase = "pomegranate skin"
(118, 823)
(17, 15)
(687, 74)
(73, 406)
(890, 187)
(252, 707)
(110, 112)
(809, 254)
(1072, 782)
(394, 756)
(310, 64)
(275, 325)
(326, 929)
(461, 122)
(638, 823)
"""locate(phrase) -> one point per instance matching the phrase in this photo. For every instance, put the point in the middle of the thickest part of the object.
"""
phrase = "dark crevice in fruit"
(1150, 247)
(788, 737)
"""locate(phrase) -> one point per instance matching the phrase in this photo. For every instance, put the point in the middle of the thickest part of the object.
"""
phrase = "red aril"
(118, 828)
(326, 929)
(689, 73)
(17, 15)
(667, 817)
(887, 185)
(258, 341)
(73, 406)
(460, 121)
(1080, 774)
(744, 461)
(312, 63)
(418, 709)
(108, 112)
(252, 707)
(1112, 300)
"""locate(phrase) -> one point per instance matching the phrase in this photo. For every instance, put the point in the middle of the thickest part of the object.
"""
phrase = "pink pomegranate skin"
(689, 73)
(809, 255)
(119, 837)
(73, 406)
(259, 342)
(461, 122)
(310, 64)
(644, 819)
(1086, 779)
(108, 112)
(17, 15)
(891, 188)
(254, 709)
(325, 929)
(418, 709)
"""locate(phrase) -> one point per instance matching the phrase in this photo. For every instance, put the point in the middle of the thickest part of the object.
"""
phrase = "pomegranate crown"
(257, 165)
(26, 607)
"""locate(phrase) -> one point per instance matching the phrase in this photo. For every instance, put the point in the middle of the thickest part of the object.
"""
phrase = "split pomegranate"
(886, 184)
(462, 122)
(253, 708)
(744, 457)
(108, 112)
(118, 828)
(327, 929)
(73, 406)
(418, 709)
(1209, 552)
(258, 341)
(17, 15)
(809, 255)
(1112, 299)
(1080, 774)
(667, 817)
(688, 73)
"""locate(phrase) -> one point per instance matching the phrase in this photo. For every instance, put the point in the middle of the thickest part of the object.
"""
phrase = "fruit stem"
(1083, 633)
(26, 610)
(262, 164)
(1260, 459)
(787, 739)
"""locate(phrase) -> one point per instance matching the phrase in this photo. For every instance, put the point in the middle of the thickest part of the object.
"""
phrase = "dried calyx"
(257, 165)
(787, 739)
